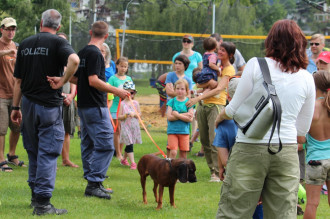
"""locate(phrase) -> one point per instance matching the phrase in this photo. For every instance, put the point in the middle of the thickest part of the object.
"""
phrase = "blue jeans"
(43, 136)
(97, 145)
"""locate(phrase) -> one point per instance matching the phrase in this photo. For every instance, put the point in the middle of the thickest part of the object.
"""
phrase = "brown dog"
(165, 173)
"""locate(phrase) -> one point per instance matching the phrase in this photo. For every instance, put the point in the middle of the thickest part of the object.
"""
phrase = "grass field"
(193, 200)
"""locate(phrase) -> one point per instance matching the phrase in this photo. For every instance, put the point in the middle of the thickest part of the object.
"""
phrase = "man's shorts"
(69, 118)
(317, 175)
(175, 141)
(5, 121)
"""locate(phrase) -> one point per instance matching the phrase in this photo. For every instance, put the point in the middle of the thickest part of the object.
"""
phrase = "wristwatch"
(15, 108)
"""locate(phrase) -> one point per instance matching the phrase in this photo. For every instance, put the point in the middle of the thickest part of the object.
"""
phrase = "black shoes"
(110, 191)
(96, 189)
(48, 209)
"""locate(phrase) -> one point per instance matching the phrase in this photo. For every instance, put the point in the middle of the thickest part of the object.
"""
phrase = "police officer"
(39, 56)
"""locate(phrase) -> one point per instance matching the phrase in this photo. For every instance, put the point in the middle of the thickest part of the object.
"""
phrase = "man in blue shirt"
(317, 44)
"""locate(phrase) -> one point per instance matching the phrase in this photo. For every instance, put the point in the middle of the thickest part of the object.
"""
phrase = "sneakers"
(124, 162)
(133, 166)
(48, 209)
(214, 178)
(94, 189)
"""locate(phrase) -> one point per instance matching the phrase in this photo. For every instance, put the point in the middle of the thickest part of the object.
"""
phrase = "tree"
(28, 14)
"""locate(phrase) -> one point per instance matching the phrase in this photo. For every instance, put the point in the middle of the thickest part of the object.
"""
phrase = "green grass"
(193, 200)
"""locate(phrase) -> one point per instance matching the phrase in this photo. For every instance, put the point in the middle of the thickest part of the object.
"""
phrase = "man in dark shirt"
(38, 57)
(97, 146)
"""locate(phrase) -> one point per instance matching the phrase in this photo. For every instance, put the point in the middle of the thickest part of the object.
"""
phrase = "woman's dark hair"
(230, 49)
(209, 43)
(286, 43)
(322, 82)
(184, 59)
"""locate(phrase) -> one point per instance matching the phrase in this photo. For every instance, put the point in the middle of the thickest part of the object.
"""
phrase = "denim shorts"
(317, 175)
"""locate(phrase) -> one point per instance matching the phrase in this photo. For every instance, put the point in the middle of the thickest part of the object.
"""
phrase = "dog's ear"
(183, 173)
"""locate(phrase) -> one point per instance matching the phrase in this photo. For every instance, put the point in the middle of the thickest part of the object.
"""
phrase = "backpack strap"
(276, 103)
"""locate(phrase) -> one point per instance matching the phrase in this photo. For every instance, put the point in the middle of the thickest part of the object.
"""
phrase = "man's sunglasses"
(186, 41)
(312, 44)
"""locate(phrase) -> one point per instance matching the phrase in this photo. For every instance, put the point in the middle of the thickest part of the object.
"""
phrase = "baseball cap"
(189, 37)
(324, 56)
(8, 22)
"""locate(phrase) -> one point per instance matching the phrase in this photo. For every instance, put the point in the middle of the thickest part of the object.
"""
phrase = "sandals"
(5, 169)
(10, 160)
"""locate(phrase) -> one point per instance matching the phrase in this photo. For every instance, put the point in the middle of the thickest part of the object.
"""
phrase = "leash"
(111, 119)
(145, 129)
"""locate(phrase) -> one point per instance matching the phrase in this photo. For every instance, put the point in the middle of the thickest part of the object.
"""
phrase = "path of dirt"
(151, 116)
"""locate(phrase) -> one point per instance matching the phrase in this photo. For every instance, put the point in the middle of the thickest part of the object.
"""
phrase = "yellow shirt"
(227, 71)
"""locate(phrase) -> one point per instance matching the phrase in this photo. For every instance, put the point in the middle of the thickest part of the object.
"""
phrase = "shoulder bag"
(261, 110)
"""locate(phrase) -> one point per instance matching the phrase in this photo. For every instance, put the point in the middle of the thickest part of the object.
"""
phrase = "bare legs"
(65, 152)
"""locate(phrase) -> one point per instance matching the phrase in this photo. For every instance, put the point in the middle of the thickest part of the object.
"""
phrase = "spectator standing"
(110, 66)
(40, 56)
(118, 80)
(251, 170)
(317, 43)
(68, 93)
(323, 61)
(194, 57)
(213, 102)
(160, 86)
(8, 52)
(318, 145)
(130, 134)
(179, 117)
(96, 130)
(181, 64)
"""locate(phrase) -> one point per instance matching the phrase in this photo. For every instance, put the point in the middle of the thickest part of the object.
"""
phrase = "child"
(179, 117)
(130, 130)
(224, 140)
(207, 78)
(118, 80)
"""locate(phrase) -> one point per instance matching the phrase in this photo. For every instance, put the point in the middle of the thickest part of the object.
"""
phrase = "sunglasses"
(312, 44)
(10, 29)
(133, 92)
(186, 41)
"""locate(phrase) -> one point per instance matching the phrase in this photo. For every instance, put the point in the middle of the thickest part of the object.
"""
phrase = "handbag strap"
(276, 103)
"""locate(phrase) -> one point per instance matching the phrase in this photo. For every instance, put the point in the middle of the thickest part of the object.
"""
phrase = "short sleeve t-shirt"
(172, 78)
(178, 126)
(39, 56)
(194, 60)
(227, 71)
(116, 82)
(7, 65)
(91, 63)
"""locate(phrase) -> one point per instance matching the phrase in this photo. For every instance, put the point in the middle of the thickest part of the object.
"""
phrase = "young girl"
(118, 80)
(178, 118)
(207, 78)
(130, 129)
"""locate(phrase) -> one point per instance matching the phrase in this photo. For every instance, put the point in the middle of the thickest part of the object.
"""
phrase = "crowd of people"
(202, 91)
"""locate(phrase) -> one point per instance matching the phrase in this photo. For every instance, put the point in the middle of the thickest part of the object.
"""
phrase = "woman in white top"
(251, 170)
